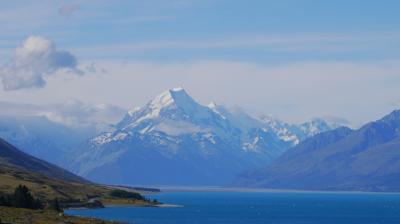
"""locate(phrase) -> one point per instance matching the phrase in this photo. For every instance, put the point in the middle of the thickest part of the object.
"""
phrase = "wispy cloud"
(21, 17)
(296, 43)
(68, 9)
(71, 112)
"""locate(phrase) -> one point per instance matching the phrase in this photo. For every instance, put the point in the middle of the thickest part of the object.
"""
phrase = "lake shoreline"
(162, 205)
(167, 189)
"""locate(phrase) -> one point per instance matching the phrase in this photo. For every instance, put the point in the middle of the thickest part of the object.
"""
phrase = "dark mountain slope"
(46, 181)
(367, 159)
(11, 156)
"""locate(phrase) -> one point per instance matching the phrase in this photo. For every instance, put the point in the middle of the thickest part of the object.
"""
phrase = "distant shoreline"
(129, 205)
(168, 189)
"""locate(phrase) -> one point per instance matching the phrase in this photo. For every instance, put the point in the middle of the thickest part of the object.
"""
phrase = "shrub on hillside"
(126, 194)
(22, 198)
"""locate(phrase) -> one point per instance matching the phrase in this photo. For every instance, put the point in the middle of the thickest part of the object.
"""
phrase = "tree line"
(22, 198)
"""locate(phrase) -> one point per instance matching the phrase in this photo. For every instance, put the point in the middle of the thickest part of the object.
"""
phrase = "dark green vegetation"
(139, 189)
(367, 159)
(21, 198)
(125, 194)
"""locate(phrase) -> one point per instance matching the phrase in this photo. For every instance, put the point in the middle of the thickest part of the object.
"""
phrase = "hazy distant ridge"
(365, 159)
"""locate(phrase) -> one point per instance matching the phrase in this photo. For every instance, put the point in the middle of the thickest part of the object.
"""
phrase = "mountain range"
(367, 159)
(173, 140)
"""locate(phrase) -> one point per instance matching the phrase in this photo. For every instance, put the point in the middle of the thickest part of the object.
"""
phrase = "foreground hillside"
(25, 216)
(45, 187)
(47, 181)
(367, 159)
(11, 156)
(34, 191)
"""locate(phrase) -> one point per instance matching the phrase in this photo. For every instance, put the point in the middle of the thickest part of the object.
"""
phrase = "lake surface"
(259, 208)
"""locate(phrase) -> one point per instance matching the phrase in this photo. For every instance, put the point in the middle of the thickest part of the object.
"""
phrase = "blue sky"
(182, 30)
(297, 46)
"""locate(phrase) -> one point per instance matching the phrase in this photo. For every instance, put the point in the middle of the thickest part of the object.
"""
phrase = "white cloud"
(75, 112)
(72, 112)
(37, 58)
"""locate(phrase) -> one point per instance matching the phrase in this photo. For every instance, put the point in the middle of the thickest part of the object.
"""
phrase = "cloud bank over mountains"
(33, 61)
(72, 113)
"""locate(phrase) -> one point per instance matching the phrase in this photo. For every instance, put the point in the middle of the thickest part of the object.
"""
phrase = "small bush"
(126, 194)
(5, 200)
(54, 205)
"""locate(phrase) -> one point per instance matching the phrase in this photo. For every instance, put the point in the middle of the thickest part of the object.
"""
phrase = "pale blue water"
(260, 208)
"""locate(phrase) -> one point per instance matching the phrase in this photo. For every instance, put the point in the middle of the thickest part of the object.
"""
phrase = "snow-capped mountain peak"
(212, 105)
(133, 110)
(174, 112)
(172, 95)
(315, 126)
(216, 109)
(177, 97)
(206, 142)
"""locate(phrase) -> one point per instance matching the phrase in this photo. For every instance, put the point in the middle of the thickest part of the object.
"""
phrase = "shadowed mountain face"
(174, 140)
(365, 159)
(42, 138)
(12, 157)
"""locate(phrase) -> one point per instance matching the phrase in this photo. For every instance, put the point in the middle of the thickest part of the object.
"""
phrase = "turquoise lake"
(259, 208)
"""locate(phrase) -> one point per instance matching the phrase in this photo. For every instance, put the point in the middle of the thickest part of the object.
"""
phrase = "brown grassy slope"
(45, 180)
(45, 187)
(23, 216)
